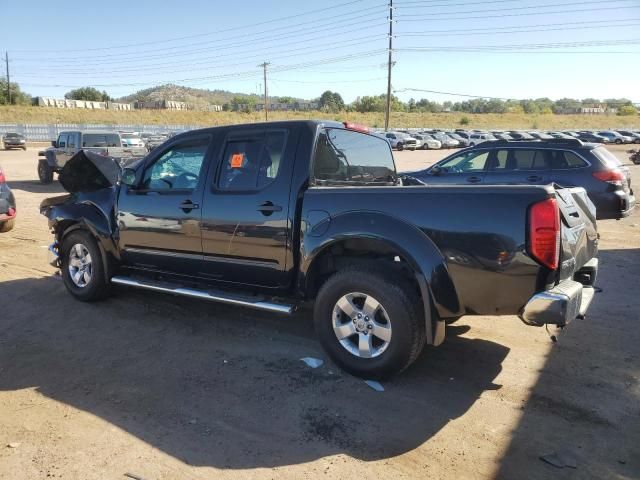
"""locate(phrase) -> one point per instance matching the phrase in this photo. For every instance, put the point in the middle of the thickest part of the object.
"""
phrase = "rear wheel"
(45, 172)
(619, 141)
(82, 267)
(400, 147)
(369, 322)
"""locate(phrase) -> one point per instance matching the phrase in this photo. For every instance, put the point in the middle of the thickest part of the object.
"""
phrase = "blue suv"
(567, 162)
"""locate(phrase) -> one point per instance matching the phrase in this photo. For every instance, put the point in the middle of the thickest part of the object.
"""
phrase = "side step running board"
(214, 296)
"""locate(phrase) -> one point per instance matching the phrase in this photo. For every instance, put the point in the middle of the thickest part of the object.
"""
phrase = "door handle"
(474, 179)
(267, 208)
(534, 178)
(188, 205)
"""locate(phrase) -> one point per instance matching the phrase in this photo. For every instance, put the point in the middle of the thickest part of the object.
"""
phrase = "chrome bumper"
(54, 258)
(558, 306)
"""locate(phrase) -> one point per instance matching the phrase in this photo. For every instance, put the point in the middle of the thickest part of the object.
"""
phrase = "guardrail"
(46, 132)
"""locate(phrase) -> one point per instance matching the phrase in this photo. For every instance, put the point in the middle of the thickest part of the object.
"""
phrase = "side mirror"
(128, 177)
(54, 143)
(436, 170)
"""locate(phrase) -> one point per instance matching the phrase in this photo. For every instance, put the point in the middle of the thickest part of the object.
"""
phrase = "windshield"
(352, 158)
(129, 136)
(606, 157)
(13, 135)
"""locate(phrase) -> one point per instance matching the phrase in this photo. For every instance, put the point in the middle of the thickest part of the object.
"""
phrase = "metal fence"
(43, 133)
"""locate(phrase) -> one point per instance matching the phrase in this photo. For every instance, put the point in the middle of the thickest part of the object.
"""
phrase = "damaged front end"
(92, 182)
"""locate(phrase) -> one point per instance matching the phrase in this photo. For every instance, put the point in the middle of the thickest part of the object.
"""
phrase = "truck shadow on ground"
(585, 404)
(34, 186)
(218, 386)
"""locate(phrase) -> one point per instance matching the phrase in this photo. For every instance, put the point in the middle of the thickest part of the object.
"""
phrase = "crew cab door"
(246, 224)
(519, 166)
(159, 219)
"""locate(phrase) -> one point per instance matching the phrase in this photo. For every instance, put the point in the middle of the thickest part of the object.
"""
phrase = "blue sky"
(501, 48)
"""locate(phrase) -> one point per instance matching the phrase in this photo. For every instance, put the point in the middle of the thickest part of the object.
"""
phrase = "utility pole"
(389, 65)
(6, 59)
(266, 91)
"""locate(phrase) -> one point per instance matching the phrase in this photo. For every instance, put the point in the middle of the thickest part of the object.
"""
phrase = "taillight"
(544, 233)
(614, 177)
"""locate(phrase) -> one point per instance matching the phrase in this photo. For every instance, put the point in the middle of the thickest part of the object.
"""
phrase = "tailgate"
(579, 234)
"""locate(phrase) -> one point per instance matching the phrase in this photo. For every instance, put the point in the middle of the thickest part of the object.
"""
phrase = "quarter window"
(252, 163)
(178, 168)
(562, 160)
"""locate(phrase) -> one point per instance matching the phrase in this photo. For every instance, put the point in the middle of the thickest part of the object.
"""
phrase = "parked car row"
(568, 162)
(403, 139)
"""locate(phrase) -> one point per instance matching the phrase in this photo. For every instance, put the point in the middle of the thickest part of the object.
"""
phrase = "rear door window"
(99, 140)
(520, 159)
(252, 162)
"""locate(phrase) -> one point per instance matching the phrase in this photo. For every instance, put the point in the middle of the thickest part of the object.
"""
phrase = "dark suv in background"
(569, 163)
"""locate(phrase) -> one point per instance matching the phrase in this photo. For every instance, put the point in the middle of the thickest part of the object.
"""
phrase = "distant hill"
(195, 96)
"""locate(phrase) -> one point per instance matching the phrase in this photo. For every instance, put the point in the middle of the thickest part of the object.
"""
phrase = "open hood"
(87, 171)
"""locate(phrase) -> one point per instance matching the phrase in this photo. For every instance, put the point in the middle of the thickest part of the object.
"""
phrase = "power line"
(503, 30)
(413, 18)
(526, 7)
(256, 53)
(266, 35)
(199, 35)
(283, 68)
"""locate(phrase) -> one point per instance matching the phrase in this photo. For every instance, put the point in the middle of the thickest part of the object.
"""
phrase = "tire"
(75, 247)
(399, 307)
(452, 320)
(45, 173)
(7, 226)
(425, 147)
(400, 147)
(24, 148)
(618, 141)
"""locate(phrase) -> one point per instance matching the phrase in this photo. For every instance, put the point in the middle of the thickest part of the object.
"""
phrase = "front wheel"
(83, 268)
(45, 172)
(369, 322)
(7, 225)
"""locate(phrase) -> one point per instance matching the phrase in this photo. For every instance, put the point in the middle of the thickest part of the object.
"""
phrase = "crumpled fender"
(95, 214)
(413, 245)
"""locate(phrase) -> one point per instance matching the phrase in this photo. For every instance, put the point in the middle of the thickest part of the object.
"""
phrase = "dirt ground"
(167, 388)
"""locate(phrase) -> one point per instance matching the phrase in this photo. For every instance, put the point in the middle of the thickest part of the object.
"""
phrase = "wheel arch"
(66, 219)
(367, 236)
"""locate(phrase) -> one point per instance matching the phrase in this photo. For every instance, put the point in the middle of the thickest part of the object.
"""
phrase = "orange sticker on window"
(236, 160)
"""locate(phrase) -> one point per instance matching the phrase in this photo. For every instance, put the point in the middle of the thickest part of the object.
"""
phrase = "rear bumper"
(565, 302)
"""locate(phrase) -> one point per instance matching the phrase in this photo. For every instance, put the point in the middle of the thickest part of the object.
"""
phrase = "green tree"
(331, 102)
(286, 100)
(627, 110)
(88, 93)
(18, 97)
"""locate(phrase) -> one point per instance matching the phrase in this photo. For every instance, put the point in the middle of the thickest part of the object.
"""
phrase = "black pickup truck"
(269, 215)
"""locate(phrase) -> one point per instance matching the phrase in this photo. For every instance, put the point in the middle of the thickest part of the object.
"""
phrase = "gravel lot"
(168, 388)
